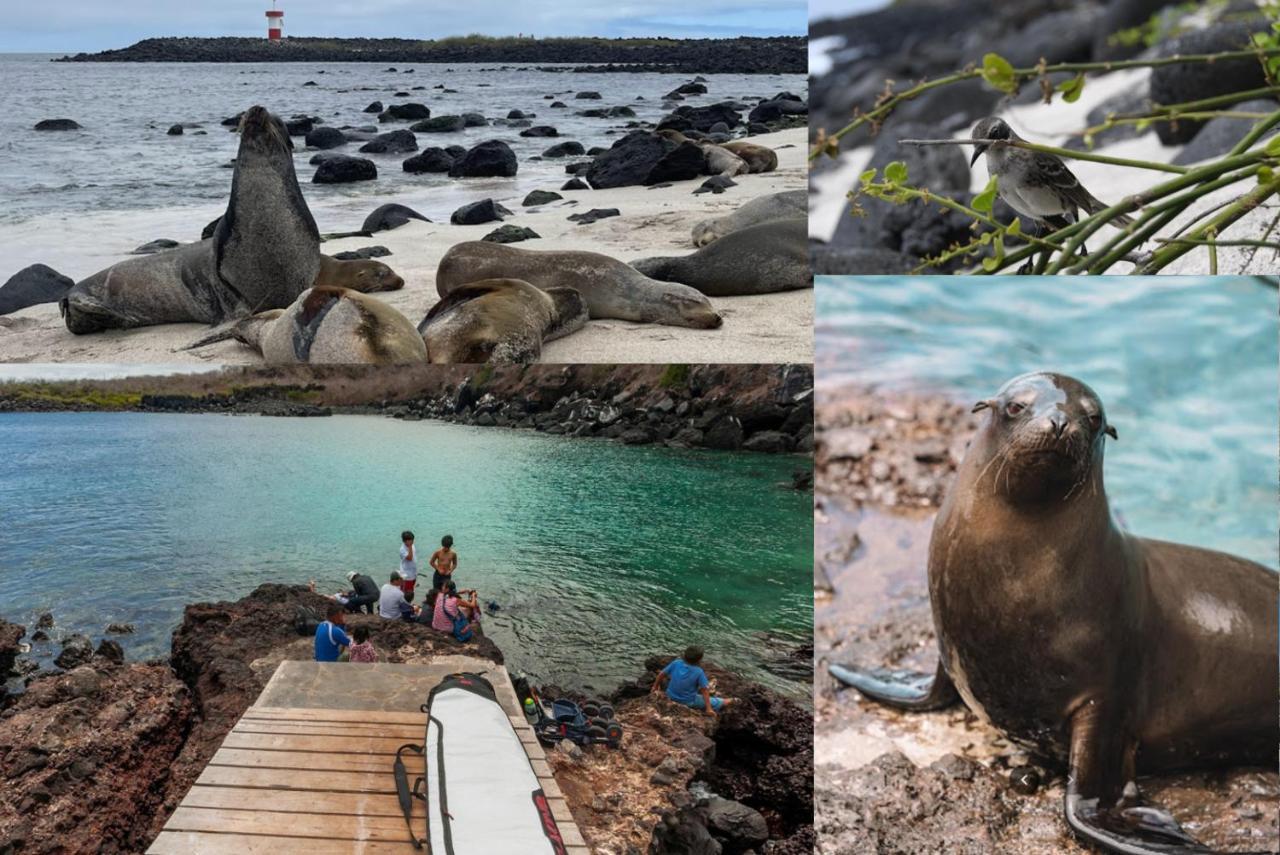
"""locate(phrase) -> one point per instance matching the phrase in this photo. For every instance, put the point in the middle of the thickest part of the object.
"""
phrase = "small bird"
(1035, 184)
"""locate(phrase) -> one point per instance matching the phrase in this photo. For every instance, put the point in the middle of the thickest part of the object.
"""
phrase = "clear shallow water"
(140, 184)
(599, 554)
(1186, 368)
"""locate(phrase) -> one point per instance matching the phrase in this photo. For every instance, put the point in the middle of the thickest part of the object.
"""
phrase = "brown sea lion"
(719, 159)
(759, 158)
(365, 275)
(610, 288)
(264, 252)
(776, 206)
(499, 320)
(1111, 654)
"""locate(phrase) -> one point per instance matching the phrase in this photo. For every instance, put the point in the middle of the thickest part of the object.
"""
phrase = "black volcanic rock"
(488, 159)
(645, 158)
(432, 159)
(343, 169)
(57, 125)
(395, 142)
(325, 137)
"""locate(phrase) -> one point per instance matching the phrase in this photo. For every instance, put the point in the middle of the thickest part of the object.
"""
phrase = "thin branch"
(1062, 152)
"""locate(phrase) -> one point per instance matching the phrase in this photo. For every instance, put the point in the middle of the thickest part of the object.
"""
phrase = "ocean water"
(77, 200)
(598, 554)
(1186, 368)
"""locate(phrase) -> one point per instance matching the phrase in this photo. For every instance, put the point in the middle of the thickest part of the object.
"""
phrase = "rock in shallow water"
(491, 159)
(57, 125)
(343, 169)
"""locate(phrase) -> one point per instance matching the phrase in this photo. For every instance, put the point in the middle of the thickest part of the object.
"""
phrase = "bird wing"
(1055, 173)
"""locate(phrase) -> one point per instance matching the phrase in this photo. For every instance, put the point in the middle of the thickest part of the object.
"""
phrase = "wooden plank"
(313, 714)
(293, 801)
(187, 842)
(407, 733)
(560, 810)
(541, 769)
(346, 726)
(318, 825)
(293, 779)
(313, 760)
(328, 744)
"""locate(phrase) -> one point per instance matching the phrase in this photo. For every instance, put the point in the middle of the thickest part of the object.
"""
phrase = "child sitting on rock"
(687, 683)
(362, 650)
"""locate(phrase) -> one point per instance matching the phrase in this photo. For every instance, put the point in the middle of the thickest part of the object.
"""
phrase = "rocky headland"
(94, 756)
(771, 55)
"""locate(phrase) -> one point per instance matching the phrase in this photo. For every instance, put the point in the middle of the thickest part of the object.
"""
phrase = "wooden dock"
(318, 779)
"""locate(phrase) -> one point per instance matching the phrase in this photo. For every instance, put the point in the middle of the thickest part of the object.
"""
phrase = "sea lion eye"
(1013, 408)
(1095, 422)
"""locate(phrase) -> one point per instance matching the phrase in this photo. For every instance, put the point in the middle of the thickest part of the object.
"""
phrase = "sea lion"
(719, 160)
(610, 288)
(1109, 653)
(264, 252)
(359, 274)
(499, 320)
(759, 158)
(329, 326)
(760, 259)
(775, 206)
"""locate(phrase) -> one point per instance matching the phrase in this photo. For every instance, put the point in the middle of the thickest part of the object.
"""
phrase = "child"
(330, 636)
(408, 565)
(687, 683)
(362, 650)
(443, 561)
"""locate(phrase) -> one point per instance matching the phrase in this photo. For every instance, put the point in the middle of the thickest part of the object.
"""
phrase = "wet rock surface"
(892, 782)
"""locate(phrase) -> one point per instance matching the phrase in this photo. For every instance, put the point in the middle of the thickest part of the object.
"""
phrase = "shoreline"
(884, 459)
(766, 409)
(220, 659)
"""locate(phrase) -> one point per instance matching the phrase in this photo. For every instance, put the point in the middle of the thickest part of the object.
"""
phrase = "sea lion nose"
(1058, 421)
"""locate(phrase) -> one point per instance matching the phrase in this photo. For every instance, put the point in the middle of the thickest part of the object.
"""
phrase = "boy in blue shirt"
(687, 683)
(331, 638)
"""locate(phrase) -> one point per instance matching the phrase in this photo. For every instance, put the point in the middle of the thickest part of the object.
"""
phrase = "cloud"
(86, 25)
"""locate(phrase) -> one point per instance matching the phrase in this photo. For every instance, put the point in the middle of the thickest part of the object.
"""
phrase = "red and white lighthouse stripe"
(275, 23)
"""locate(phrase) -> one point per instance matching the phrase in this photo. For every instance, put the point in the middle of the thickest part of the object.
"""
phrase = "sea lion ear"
(1111, 432)
(982, 405)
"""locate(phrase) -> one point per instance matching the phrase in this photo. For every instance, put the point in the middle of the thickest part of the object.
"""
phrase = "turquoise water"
(1186, 367)
(599, 554)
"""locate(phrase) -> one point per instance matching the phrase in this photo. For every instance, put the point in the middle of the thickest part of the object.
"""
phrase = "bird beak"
(978, 151)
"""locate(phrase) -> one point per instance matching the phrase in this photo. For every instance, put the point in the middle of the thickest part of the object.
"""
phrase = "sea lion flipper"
(226, 332)
(1094, 806)
(907, 690)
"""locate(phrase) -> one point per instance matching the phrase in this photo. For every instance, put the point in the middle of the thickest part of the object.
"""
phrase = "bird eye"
(1013, 408)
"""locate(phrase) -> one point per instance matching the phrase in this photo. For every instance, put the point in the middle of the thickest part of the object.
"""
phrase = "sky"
(90, 25)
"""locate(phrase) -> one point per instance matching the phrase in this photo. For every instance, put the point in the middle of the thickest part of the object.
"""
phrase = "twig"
(1062, 152)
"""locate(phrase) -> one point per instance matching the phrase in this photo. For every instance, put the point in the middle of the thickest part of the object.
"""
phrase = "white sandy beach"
(653, 221)
(1053, 124)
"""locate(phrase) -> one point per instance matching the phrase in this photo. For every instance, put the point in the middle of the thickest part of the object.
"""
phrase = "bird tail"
(1096, 206)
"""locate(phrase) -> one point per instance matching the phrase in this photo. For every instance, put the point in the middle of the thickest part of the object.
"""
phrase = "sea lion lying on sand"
(328, 326)
(264, 252)
(775, 206)
(718, 159)
(761, 259)
(365, 275)
(499, 320)
(609, 288)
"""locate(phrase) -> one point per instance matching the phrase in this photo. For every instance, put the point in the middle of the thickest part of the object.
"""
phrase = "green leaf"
(1273, 147)
(997, 71)
(1265, 174)
(990, 263)
(1072, 88)
(896, 172)
(983, 202)
(1014, 229)
(867, 177)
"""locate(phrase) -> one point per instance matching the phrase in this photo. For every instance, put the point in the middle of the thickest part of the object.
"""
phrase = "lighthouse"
(275, 23)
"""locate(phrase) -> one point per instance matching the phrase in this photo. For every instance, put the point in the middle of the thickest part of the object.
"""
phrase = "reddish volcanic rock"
(85, 758)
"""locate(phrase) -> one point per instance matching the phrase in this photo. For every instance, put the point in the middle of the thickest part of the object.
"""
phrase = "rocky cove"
(96, 755)
(761, 408)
